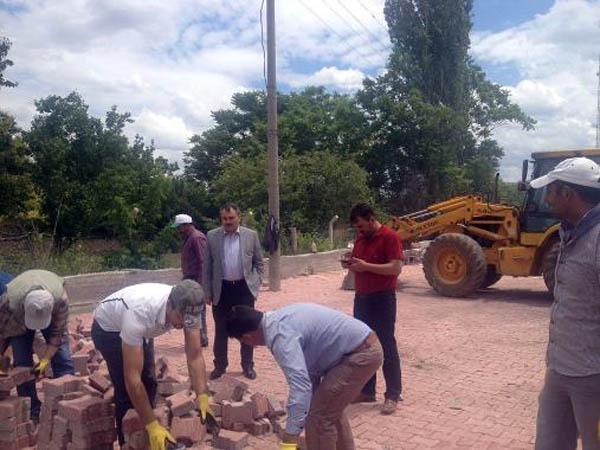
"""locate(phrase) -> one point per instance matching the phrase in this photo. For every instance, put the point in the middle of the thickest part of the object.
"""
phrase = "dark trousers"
(109, 345)
(232, 294)
(62, 364)
(378, 311)
(569, 407)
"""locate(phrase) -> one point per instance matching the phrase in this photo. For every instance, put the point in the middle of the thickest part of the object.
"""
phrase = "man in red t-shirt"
(376, 261)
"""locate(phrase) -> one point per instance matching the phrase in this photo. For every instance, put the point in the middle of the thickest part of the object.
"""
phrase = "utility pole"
(598, 107)
(272, 143)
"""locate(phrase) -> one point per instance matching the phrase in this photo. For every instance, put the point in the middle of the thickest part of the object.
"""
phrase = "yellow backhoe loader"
(475, 242)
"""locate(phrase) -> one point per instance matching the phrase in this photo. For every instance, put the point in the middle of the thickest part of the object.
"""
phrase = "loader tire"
(454, 265)
(549, 265)
(491, 277)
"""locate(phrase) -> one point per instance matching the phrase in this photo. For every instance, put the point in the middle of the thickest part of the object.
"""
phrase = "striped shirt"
(12, 312)
(574, 338)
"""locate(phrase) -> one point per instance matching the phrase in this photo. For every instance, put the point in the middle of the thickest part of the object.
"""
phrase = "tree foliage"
(5, 63)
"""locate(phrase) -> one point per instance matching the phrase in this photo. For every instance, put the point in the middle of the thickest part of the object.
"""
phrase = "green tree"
(313, 188)
(5, 63)
(433, 112)
(21, 200)
(310, 120)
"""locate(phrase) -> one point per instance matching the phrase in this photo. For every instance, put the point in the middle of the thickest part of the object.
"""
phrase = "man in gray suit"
(232, 272)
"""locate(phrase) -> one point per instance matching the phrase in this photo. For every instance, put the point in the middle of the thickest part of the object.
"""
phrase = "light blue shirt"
(307, 340)
(232, 258)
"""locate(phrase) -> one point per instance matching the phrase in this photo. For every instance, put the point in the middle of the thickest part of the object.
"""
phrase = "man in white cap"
(36, 300)
(192, 257)
(569, 404)
(125, 324)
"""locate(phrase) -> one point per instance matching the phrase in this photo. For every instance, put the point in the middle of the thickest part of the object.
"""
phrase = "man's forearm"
(50, 351)
(390, 268)
(197, 371)
(139, 398)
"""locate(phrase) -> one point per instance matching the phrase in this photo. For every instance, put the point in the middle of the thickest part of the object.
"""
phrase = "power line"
(357, 32)
(374, 36)
(349, 48)
(384, 27)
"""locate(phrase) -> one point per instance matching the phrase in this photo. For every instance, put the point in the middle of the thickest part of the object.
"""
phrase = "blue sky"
(171, 63)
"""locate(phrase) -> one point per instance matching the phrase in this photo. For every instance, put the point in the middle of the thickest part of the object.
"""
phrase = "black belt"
(233, 282)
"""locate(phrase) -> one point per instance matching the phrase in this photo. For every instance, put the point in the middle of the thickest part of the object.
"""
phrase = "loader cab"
(536, 216)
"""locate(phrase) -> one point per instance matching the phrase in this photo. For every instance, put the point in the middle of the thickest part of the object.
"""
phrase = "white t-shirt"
(138, 312)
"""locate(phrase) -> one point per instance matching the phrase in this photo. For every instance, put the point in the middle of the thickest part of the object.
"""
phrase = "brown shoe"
(389, 407)
(364, 398)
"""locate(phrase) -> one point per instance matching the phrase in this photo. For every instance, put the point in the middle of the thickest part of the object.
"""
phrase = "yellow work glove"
(158, 436)
(203, 407)
(288, 446)
(40, 368)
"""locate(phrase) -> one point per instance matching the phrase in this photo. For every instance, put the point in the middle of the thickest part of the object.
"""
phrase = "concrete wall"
(85, 290)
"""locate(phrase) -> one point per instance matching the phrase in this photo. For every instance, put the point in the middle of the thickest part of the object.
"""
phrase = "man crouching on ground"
(125, 324)
(326, 356)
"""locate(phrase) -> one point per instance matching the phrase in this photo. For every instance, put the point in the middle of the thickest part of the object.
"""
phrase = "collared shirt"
(232, 257)
(574, 337)
(381, 248)
(306, 341)
(192, 255)
(138, 312)
(12, 312)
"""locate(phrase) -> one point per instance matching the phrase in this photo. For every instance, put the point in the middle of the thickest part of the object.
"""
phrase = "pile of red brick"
(75, 416)
(16, 430)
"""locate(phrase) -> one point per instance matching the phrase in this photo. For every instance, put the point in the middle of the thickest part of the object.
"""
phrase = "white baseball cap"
(38, 306)
(181, 219)
(580, 171)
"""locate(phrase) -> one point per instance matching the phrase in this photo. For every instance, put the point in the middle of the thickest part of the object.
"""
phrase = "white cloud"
(344, 80)
(171, 63)
(556, 55)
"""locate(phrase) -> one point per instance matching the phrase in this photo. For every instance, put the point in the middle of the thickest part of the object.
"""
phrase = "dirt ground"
(471, 368)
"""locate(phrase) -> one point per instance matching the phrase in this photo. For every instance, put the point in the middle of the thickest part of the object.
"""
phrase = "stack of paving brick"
(74, 416)
(240, 413)
(16, 430)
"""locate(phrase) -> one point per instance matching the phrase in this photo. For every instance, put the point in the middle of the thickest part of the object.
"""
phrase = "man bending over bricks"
(326, 357)
(124, 325)
(36, 300)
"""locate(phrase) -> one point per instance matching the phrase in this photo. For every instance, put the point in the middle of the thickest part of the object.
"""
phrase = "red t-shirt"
(381, 248)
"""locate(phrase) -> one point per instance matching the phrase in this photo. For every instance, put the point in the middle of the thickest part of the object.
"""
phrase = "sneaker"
(389, 407)
(364, 398)
(217, 373)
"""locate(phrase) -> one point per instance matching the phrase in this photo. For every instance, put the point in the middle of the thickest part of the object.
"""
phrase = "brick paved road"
(472, 369)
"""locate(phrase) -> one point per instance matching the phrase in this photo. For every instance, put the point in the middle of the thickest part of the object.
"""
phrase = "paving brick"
(168, 388)
(84, 409)
(81, 429)
(237, 412)
(58, 386)
(182, 403)
(25, 428)
(275, 406)
(100, 382)
(227, 388)
(8, 425)
(132, 422)
(21, 375)
(260, 427)
(81, 364)
(109, 395)
(216, 408)
(188, 430)
(137, 440)
(6, 383)
(93, 440)
(230, 440)
(260, 405)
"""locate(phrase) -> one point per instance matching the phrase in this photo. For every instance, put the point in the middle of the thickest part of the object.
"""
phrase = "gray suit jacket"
(212, 268)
